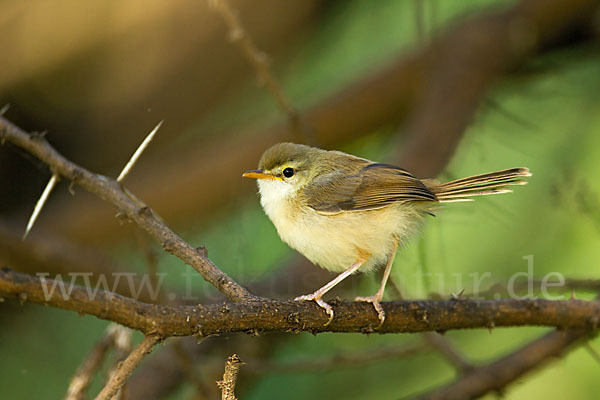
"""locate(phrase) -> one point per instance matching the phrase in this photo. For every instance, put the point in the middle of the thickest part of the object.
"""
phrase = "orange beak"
(259, 174)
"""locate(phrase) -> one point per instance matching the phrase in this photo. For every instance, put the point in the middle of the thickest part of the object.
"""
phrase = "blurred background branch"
(495, 376)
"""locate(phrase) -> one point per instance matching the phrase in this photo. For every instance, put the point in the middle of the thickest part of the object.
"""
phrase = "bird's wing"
(374, 186)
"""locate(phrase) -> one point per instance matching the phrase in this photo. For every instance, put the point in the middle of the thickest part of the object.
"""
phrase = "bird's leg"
(376, 299)
(317, 296)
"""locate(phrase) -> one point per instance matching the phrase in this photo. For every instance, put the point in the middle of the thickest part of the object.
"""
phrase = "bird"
(348, 214)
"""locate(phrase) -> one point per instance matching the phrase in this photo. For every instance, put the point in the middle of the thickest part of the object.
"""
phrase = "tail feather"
(480, 185)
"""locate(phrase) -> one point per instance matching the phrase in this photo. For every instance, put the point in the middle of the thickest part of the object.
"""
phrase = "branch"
(122, 351)
(127, 366)
(258, 59)
(185, 363)
(160, 376)
(498, 374)
(49, 253)
(111, 191)
(445, 348)
(491, 45)
(337, 361)
(163, 374)
(291, 316)
(86, 371)
(227, 385)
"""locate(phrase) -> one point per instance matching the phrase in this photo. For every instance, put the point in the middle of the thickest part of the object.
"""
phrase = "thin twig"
(40, 203)
(445, 348)
(441, 344)
(345, 359)
(420, 20)
(152, 264)
(566, 285)
(227, 385)
(122, 349)
(127, 366)
(90, 366)
(138, 153)
(112, 191)
(259, 60)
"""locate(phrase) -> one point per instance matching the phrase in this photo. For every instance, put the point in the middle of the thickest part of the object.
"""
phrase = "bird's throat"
(275, 198)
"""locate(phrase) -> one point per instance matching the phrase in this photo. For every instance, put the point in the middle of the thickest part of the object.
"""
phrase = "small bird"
(349, 214)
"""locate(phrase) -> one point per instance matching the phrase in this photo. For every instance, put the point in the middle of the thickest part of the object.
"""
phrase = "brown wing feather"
(373, 186)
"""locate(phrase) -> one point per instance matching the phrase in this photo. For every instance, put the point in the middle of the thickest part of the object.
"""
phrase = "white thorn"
(138, 153)
(40, 203)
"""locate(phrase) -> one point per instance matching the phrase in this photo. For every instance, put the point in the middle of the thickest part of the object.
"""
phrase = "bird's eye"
(288, 172)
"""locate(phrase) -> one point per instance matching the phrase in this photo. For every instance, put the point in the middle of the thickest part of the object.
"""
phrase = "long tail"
(479, 185)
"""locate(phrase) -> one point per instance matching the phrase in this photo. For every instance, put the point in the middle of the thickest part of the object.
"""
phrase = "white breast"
(336, 241)
(274, 198)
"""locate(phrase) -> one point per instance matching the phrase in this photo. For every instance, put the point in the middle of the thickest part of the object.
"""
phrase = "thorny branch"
(111, 191)
(292, 316)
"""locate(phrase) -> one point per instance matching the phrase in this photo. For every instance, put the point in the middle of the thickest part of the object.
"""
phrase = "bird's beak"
(259, 174)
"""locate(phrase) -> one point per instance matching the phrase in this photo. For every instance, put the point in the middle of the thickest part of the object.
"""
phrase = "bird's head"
(286, 168)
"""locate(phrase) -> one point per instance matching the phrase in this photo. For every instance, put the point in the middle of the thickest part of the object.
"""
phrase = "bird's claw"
(317, 299)
(375, 300)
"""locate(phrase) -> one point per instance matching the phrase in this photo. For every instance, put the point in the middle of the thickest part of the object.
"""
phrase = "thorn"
(572, 297)
(40, 204)
(38, 135)
(592, 352)
(224, 309)
(458, 295)
(138, 152)
(293, 318)
(202, 251)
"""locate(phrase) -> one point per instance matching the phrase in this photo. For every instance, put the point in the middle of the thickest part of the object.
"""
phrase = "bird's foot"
(375, 300)
(316, 297)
